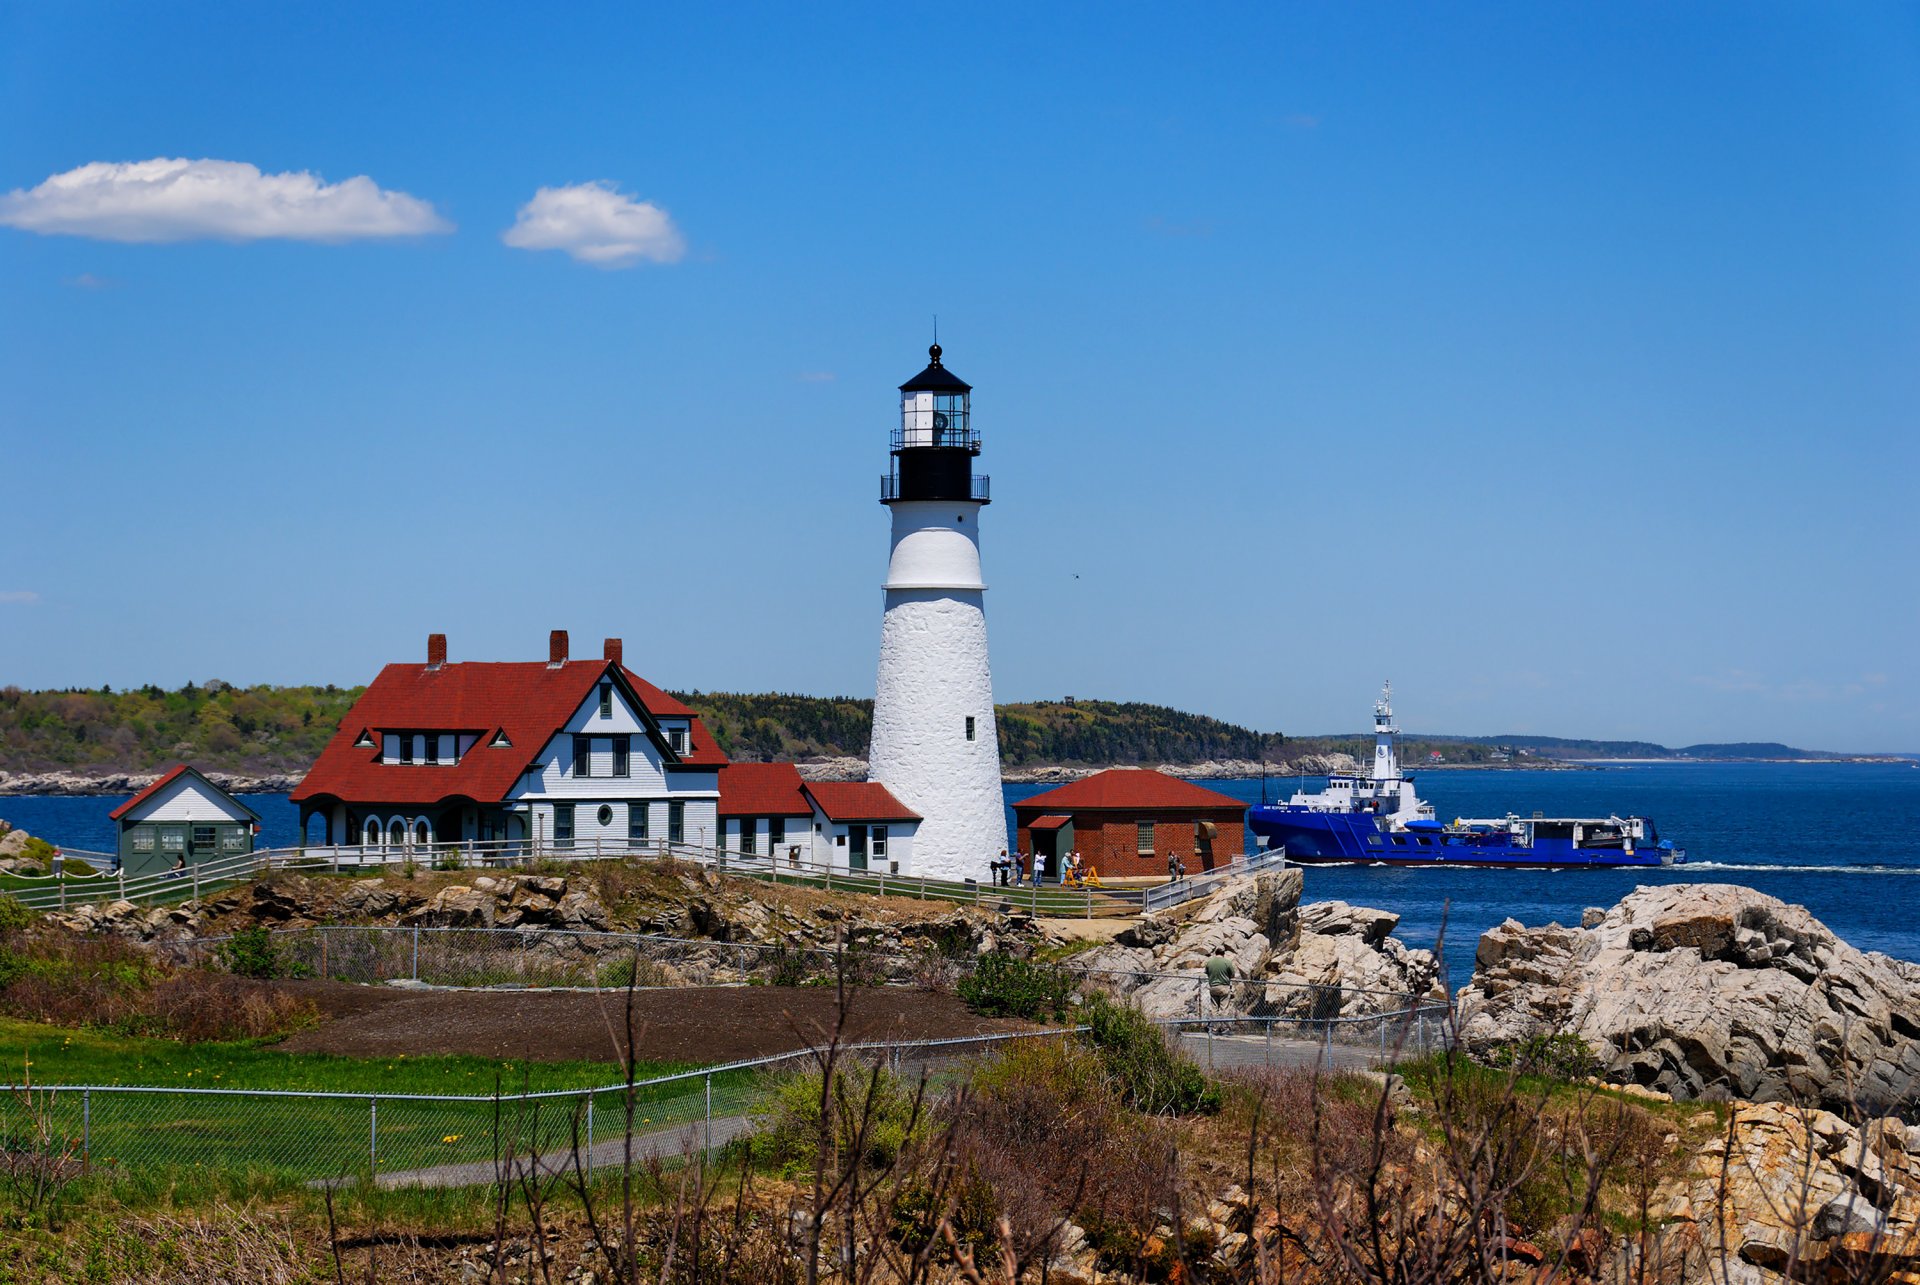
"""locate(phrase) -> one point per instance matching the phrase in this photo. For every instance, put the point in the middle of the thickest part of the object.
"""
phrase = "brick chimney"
(612, 651)
(436, 650)
(556, 649)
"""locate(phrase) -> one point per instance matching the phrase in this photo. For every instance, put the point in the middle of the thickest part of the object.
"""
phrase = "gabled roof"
(528, 700)
(858, 801)
(1127, 788)
(762, 790)
(172, 776)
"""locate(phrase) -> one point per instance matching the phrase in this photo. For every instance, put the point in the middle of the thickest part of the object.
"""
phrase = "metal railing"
(1176, 891)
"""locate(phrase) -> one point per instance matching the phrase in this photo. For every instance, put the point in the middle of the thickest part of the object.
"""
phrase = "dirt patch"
(693, 1024)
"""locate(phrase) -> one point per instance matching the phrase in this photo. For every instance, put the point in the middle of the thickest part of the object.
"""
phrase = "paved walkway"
(663, 1144)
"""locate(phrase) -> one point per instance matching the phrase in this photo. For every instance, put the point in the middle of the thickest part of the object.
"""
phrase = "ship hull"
(1323, 838)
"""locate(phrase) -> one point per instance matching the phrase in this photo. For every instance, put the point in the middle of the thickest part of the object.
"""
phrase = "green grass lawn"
(63, 1056)
(299, 1138)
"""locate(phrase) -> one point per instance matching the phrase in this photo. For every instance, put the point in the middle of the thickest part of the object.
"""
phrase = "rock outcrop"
(1791, 1194)
(75, 783)
(1324, 960)
(1699, 989)
(690, 902)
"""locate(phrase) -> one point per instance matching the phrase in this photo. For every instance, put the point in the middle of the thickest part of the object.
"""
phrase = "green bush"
(252, 952)
(788, 1140)
(1155, 1077)
(1556, 1057)
(1002, 985)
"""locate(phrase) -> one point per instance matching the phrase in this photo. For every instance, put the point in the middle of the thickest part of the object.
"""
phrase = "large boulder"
(1790, 1193)
(1708, 989)
(1320, 961)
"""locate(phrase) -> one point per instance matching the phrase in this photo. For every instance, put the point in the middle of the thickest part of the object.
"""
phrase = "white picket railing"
(193, 881)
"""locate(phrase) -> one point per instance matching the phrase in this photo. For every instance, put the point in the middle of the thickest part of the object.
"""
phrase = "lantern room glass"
(934, 419)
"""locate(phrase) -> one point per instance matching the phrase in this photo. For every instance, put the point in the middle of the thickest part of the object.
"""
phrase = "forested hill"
(268, 730)
(1082, 733)
(250, 731)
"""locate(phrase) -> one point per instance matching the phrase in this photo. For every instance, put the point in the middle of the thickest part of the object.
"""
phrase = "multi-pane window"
(879, 844)
(637, 821)
(203, 837)
(749, 835)
(677, 739)
(969, 727)
(1143, 838)
(233, 841)
(606, 700)
(776, 833)
(676, 822)
(143, 840)
(622, 755)
(583, 756)
(563, 825)
(173, 841)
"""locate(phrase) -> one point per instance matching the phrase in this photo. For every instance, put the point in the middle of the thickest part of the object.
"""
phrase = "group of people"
(1029, 869)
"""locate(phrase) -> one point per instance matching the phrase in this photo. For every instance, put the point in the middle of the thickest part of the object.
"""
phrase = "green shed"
(181, 820)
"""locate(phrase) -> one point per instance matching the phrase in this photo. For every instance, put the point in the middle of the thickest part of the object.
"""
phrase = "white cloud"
(182, 200)
(21, 597)
(596, 224)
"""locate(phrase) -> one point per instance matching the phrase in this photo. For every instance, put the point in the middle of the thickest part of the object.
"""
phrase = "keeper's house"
(561, 752)
(1125, 822)
(182, 817)
(767, 810)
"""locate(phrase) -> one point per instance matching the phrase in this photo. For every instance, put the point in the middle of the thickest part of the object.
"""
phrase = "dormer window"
(677, 739)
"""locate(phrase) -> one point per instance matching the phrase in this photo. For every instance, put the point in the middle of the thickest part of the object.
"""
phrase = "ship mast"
(1386, 766)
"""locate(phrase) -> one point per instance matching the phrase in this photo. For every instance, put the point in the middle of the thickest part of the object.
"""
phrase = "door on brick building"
(1203, 841)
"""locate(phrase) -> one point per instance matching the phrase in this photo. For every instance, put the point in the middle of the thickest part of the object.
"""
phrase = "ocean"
(1842, 839)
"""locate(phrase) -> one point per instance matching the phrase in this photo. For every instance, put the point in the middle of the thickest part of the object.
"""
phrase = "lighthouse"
(934, 744)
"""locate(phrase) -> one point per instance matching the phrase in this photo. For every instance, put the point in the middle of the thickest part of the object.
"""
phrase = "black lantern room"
(934, 446)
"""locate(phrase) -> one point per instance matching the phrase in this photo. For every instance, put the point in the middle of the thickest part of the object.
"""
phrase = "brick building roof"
(1130, 789)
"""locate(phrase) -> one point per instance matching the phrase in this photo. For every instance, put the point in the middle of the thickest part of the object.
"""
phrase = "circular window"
(605, 814)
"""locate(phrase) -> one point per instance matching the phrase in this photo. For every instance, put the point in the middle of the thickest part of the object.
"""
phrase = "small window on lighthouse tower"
(969, 727)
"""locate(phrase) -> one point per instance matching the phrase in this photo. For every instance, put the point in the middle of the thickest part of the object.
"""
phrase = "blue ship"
(1378, 819)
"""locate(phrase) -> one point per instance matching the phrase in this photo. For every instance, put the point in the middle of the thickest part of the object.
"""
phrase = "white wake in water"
(1819, 870)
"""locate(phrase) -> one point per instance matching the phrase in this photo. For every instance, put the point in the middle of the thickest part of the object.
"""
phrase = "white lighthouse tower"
(934, 743)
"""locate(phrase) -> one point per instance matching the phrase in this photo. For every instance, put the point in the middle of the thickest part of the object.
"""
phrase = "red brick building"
(1125, 822)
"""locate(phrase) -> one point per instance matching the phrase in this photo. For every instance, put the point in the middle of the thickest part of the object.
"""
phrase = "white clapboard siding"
(187, 799)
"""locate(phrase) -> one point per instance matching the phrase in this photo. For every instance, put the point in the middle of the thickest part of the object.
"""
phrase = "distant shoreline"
(101, 784)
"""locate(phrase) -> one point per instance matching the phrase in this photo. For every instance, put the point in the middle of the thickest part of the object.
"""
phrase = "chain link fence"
(396, 1139)
(562, 958)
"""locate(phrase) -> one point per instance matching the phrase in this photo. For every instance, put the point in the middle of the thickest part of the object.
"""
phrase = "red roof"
(161, 784)
(858, 801)
(1049, 823)
(528, 700)
(762, 790)
(1128, 788)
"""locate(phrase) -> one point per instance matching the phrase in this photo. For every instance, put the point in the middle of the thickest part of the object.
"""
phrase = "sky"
(1558, 362)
